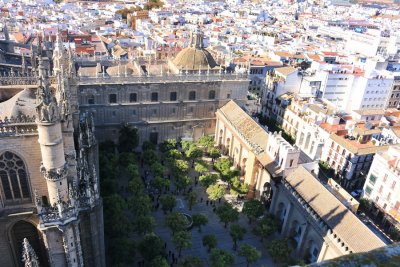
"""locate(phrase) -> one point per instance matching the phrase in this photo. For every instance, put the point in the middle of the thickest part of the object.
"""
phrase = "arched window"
(192, 95)
(211, 94)
(13, 176)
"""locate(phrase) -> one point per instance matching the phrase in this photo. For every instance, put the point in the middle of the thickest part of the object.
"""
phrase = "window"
(368, 190)
(211, 94)
(192, 95)
(172, 96)
(393, 184)
(372, 179)
(13, 176)
(154, 111)
(134, 112)
(385, 178)
(228, 96)
(291, 163)
(190, 109)
(380, 189)
(154, 97)
(133, 97)
(90, 100)
(112, 98)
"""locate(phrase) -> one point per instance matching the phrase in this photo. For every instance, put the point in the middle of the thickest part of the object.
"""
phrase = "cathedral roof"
(23, 103)
(195, 56)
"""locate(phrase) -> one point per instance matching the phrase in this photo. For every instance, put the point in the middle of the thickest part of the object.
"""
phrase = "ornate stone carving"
(54, 174)
(46, 107)
(62, 211)
(65, 108)
(28, 255)
(86, 131)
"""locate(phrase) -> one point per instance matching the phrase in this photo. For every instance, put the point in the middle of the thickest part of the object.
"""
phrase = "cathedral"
(50, 209)
(51, 102)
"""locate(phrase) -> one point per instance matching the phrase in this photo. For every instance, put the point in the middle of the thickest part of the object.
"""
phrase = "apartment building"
(382, 186)
(350, 152)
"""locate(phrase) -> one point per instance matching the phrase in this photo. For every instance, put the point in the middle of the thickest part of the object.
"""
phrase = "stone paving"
(215, 227)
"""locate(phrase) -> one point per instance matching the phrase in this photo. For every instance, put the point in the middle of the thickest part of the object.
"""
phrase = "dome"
(192, 58)
(195, 56)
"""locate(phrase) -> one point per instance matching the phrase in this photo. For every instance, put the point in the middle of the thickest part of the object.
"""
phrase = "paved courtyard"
(215, 227)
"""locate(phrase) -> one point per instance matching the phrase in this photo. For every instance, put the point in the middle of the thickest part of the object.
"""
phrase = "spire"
(41, 71)
(58, 54)
(24, 67)
(5, 32)
(46, 104)
(28, 255)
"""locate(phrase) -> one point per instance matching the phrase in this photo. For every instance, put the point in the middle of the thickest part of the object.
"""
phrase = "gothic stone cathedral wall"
(27, 148)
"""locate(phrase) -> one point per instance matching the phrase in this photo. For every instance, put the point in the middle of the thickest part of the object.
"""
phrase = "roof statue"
(28, 255)
(46, 103)
(195, 57)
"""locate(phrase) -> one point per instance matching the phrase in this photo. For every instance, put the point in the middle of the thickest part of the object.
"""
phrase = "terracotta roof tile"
(342, 221)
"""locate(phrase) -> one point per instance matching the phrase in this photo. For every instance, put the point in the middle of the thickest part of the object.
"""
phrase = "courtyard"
(182, 204)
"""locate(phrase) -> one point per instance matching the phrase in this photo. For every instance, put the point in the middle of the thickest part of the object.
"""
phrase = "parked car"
(357, 193)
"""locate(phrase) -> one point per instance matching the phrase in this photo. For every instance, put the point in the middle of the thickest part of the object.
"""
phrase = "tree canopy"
(182, 240)
(191, 261)
(151, 246)
(176, 222)
(215, 191)
(199, 220)
(206, 141)
(221, 258)
(250, 253)
(237, 233)
(266, 227)
(128, 138)
(158, 261)
(201, 166)
(210, 241)
(191, 199)
(227, 213)
(253, 209)
(168, 145)
(168, 202)
(208, 179)
(144, 224)
(279, 250)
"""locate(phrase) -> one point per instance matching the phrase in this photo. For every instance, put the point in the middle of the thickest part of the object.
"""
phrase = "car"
(356, 193)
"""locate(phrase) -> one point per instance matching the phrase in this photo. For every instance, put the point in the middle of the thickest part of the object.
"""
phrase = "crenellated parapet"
(19, 125)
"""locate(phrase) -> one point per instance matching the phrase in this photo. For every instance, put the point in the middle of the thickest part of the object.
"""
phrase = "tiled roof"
(250, 130)
(355, 147)
(369, 111)
(357, 236)
(285, 71)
